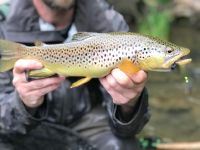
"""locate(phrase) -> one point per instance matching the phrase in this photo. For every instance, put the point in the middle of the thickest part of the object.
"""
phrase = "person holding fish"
(107, 112)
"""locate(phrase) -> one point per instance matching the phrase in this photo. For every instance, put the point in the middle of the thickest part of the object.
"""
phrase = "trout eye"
(169, 50)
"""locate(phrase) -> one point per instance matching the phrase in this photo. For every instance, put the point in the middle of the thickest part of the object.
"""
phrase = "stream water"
(175, 96)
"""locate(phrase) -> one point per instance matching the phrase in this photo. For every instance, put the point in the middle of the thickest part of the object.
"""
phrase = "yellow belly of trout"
(93, 72)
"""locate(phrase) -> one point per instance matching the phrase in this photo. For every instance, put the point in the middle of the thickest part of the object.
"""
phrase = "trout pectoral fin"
(80, 82)
(40, 73)
(128, 67)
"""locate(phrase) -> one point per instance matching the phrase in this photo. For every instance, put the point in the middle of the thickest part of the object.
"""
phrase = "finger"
(112, 82)
(123, 94)
(140, 77)
(34, 98)
(23, 64)
(18, 79)
(109, 82)
(115, 95)
(45, 90)
(122, 78)
(33, 102)
(104, 83)
(42, 83)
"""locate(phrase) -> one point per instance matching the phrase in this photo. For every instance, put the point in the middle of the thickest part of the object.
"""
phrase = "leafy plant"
(156, 20)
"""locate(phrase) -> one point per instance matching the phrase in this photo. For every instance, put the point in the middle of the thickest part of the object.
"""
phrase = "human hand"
(124, 90)
(32, 93)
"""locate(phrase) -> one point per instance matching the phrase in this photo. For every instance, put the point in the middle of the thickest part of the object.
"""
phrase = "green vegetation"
(156, 19)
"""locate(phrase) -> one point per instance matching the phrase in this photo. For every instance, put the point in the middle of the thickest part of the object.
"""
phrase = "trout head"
(162, 57)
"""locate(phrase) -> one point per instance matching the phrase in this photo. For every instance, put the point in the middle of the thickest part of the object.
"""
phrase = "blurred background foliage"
(155, 19)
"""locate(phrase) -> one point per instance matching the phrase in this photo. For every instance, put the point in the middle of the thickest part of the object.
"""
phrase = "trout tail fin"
(9, 53)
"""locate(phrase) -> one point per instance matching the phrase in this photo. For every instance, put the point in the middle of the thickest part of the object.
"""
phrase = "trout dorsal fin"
(120, 33)
(83, 35)
(39, 43)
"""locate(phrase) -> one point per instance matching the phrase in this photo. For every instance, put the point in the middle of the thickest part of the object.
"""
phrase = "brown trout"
(94, 55)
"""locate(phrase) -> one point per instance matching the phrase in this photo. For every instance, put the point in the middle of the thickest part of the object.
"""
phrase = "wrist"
(129, 107)
(32, 103)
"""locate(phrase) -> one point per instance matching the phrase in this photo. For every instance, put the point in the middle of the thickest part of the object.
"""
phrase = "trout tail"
(9, 54)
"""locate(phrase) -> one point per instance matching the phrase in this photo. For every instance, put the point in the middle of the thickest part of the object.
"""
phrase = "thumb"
(23, 65)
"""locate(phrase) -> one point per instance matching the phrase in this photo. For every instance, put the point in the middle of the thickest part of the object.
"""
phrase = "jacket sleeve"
(121, 126)
(14, 116)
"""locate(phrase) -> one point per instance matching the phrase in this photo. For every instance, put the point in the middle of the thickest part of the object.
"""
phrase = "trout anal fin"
(40, 73)
(80, 82)
(128, 67)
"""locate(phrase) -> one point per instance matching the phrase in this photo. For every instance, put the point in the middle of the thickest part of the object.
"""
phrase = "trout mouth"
(179, 59)
(182, 61)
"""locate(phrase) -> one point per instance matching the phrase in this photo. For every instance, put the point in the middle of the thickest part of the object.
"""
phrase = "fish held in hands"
(94, 55)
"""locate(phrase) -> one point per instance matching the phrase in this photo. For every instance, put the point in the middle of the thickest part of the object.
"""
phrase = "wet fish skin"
(94, 55)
